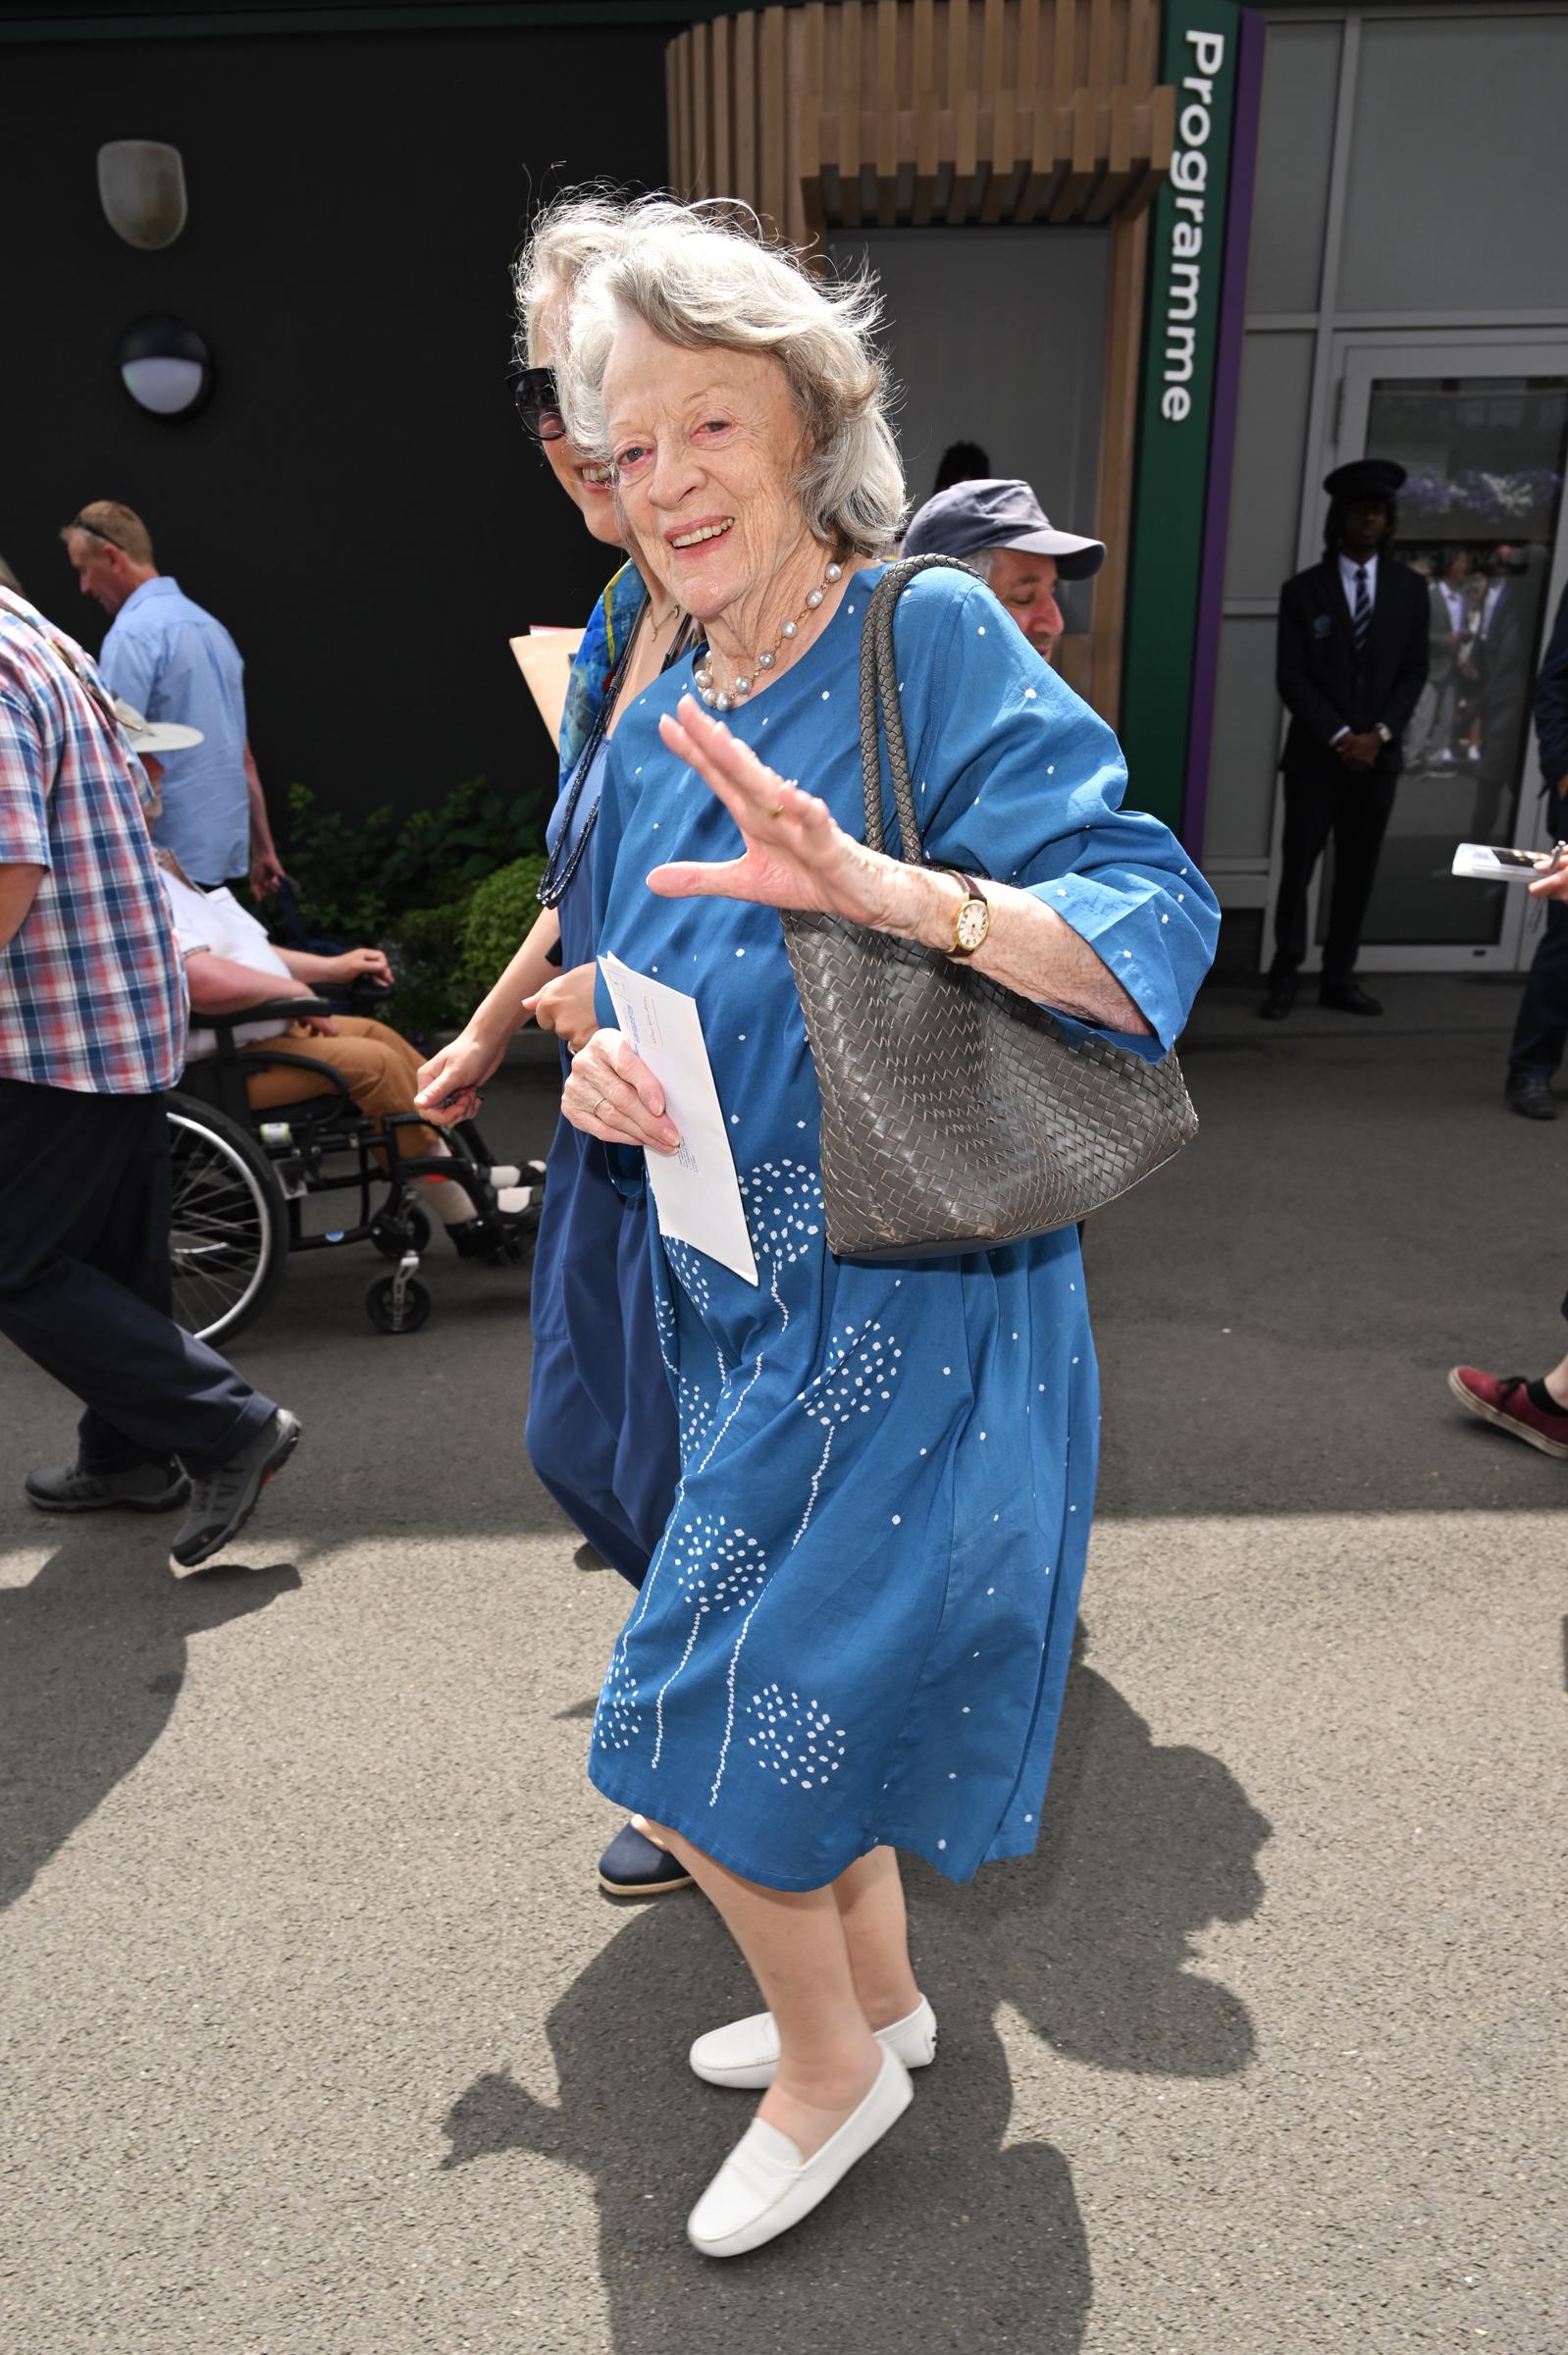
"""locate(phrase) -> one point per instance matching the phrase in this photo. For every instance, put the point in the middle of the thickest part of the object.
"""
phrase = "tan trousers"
(379, 1068)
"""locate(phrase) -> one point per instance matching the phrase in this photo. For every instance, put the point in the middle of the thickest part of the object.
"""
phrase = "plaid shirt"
(92, 991)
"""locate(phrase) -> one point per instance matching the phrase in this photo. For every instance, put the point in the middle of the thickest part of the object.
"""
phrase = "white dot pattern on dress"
(798, 1743)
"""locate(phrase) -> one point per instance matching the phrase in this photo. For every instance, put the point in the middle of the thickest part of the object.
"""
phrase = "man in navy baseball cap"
(998, 526)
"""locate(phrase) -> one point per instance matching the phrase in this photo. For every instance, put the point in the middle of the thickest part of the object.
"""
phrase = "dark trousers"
(85, 1284)
(1353, 805)
(1542, 1030)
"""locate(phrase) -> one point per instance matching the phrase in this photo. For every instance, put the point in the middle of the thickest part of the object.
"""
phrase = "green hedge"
(445, 892)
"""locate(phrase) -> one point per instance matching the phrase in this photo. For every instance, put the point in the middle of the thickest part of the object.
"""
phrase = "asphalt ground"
(319, 2039)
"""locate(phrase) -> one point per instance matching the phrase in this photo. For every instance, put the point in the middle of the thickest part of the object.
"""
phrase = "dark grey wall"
(357, 503)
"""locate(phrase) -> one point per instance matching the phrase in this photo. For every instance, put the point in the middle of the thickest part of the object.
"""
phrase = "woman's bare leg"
(869, 1898)
(799, 1955)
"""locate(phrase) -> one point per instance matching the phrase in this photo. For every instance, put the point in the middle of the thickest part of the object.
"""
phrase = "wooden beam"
(925, 111)
(723, 107)
(773, 105)
(1118, 415)
(885, 146)
(700, 117)
(745, 117)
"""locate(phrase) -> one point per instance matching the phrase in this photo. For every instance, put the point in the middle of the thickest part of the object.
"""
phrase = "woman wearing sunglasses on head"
(602, 1430)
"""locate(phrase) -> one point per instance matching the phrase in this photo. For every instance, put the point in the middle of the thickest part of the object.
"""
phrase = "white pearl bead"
(814, 599)
(741, 687)
(835, 572)
(722, 702)
(765, 662)
(788, 631)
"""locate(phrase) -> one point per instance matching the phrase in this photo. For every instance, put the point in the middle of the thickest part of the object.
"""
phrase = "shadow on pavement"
(93, 1657)
(950, 2235)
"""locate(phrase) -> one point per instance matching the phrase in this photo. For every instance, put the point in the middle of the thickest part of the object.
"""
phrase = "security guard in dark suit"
(1351, 664)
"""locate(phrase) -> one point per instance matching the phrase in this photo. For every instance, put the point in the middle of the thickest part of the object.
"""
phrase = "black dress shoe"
(632, 1866)
(1348, 997)
(1528, 1094)
(1282, 996)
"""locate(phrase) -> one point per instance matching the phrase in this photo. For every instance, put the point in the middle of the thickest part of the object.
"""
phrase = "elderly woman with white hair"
(855, 1633)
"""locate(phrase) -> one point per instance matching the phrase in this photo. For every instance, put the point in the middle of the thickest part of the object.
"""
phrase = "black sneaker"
(143, 1489)
(222, 1502)
(632, 1866)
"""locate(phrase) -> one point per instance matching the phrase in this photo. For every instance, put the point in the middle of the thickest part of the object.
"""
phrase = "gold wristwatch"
(973, 922)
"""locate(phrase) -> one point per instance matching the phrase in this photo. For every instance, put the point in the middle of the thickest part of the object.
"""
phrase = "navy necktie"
(1361, 619)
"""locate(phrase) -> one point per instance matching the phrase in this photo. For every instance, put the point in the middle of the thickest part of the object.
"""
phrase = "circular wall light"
(164, 365)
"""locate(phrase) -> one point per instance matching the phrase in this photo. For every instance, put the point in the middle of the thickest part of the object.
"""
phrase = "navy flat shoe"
(632, 1866)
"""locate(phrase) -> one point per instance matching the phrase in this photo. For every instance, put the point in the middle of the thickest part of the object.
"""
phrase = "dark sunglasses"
(80, 523)
(538, 403)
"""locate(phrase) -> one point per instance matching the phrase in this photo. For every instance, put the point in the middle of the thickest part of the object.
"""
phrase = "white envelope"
(695, 1190)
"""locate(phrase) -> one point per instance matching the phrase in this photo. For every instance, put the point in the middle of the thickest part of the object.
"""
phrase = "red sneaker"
(1501, 1398)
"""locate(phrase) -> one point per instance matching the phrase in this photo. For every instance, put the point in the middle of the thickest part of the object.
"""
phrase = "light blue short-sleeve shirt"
(173, 660)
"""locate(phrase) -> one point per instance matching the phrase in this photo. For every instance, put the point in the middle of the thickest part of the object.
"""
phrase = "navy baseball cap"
(997, 512)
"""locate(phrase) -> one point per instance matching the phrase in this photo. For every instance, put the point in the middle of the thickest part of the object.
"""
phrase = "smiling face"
(1026, 585)
(707, 445)
(586, 481)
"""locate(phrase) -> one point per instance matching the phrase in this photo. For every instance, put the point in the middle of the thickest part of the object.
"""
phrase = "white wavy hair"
(569, 236)
(701, 275)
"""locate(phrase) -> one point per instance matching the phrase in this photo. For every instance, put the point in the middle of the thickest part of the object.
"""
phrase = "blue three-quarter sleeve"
(1017, 780)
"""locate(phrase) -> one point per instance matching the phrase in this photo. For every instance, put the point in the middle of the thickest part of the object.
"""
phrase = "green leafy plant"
(444, 890)
(500, 911)
(357, 875)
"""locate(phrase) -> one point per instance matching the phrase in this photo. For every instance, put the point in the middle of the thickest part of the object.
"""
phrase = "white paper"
(696, 1189)
(1479, 861)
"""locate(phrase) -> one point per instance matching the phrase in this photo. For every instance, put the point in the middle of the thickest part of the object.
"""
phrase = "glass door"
(1481, 425)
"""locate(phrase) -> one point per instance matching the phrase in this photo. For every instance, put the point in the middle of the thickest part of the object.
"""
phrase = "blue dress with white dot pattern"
(857, 1626)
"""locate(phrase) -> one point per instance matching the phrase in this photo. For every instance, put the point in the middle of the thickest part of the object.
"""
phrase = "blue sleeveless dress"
(600, 1429)
(857, 1625)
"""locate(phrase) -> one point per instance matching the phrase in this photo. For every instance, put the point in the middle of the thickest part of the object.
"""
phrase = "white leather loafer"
(764, 2185)
(746, 2053)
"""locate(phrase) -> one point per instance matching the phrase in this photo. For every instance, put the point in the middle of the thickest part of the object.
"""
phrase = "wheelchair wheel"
(391, 1308)
(392, 1238)
(229, 1224)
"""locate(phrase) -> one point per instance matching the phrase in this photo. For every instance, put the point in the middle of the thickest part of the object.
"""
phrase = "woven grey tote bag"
(956, 1116)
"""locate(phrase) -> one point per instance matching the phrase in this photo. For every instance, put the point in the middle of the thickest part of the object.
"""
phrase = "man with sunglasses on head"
(173, 660)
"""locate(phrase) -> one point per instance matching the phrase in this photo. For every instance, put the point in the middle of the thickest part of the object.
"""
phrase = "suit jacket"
(1321, 684)
(1551, 706)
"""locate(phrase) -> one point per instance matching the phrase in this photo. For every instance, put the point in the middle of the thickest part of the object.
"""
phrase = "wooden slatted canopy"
(877, 113)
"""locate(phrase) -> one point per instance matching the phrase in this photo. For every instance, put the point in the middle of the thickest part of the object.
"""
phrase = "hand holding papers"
(694, 1189)
(1486, 862)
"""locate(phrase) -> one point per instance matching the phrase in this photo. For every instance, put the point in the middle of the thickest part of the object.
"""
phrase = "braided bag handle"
(879, 687)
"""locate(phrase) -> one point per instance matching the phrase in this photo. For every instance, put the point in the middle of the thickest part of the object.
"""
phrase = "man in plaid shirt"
(92, 1026)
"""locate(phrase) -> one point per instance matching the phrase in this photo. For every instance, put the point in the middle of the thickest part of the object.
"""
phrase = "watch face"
(973, 923)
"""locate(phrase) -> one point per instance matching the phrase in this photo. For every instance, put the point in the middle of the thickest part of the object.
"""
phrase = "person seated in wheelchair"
(230, 964)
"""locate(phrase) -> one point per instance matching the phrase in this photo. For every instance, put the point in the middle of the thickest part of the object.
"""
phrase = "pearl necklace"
(720, 699)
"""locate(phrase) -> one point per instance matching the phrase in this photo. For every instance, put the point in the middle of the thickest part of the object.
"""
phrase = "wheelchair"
(240, 1179)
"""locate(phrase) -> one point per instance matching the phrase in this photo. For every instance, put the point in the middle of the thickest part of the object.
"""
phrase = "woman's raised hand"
(796, 856)
(450, 1081)
(612, 1093)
